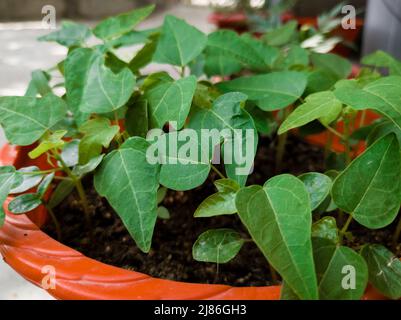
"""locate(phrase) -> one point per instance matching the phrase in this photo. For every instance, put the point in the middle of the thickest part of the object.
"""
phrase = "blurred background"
(378, 27)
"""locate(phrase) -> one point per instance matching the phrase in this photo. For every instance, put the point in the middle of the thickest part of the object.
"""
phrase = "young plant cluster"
(97, 126)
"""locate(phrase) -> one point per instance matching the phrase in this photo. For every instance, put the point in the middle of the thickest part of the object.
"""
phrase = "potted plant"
(121, 169)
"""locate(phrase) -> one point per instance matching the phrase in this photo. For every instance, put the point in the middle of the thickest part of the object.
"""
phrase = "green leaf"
(62, 191)
(384, 270)
(28, 180)
(282, 35)
(162, 213)
(70, 153)
(318, 186)
(320, 80)
(91, 165)
(381, 129)
(121, 24)
(370, 187)
(133, 37)
(261, 51)
(45, 184)
(7, 183)
(227, 114)
(279, 219)
(39, 84)
(222, 65)
(71, 34)
(129, 183)
(220, 203)
(383, 95)
(136, 118)
(336, 268)
(382, 59)
(322, 105)
(92, 87)
(217, 246)
(336, 65)
(98, 133)
(26, 119)
(49, 142)
(145, 55)
(170, 101)
(326, 228)
(287, 293)
(185, 168)
(296, 57)
(179, 42)
(24, 203)
(272, 91)
(161, 194)
(239, 51)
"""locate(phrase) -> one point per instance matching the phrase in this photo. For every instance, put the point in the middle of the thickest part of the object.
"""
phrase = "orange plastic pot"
(32, 253)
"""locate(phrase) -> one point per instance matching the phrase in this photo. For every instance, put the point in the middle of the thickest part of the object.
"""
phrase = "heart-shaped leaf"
(323, 106)
(272, 91)
(98, 133)
(370, 187)
(170, 101)
(217, 246)
(384, 270)
(318, 186)
(71, 34)
(26, 119)
(185, 165)
(92, 87)
(179, 42)
(326, 228)
(129, 183)
(334, 64)
(382, 59)
(240, 144)
(342, 273)
(383, 96)
(121, 24)
(279, 219)
(220, 203)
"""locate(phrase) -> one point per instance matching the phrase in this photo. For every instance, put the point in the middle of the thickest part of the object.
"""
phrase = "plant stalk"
(282, 141)
(55, 221)
(345, 228)
(78, 186)
(218, 172)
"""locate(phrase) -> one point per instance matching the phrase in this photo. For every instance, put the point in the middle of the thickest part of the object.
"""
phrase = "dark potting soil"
(171, 253)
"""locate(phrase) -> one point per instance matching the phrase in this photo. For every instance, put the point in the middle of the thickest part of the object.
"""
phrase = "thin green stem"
(55, 221)
(335, 132)
(218, 172)
(347, 142)
(363, 119)
(182, 73)
(78, 186)
(282, 141)
(345, 228)
(41, 172)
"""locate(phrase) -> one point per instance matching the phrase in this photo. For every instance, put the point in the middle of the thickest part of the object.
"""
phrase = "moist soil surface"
(171, 253)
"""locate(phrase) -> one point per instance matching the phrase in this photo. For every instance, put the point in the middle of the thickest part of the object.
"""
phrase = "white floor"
(20, 54)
